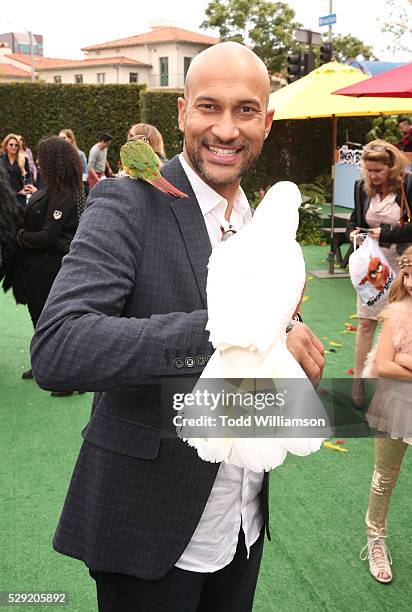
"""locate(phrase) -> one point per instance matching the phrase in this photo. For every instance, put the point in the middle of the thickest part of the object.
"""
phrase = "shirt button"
(178, 362)
(190, 362)
(200, 360)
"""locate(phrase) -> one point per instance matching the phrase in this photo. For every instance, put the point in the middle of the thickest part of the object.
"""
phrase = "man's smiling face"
(224, 116)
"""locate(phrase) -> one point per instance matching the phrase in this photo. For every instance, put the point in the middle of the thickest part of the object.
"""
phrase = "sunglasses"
(226, 234)
(12, 145)
(377, 149)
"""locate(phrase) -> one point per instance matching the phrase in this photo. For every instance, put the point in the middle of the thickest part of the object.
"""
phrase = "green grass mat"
(317, 503)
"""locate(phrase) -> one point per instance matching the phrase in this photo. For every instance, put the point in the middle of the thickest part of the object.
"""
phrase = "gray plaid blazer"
(127, 308)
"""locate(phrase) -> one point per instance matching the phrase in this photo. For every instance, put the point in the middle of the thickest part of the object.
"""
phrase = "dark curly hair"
(10, 221)
(60, 165)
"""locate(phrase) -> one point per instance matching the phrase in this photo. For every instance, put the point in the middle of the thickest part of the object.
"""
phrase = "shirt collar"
(207, 197)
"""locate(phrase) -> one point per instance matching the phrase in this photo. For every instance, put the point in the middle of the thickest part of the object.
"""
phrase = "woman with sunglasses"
(17, 167)
(383, 198)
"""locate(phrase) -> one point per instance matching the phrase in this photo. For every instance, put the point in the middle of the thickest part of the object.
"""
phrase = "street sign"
(327, 19)
(308, 37)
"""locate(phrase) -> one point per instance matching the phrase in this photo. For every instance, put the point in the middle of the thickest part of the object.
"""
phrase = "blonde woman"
(17, 167)
(382, 199)
(68, 134)
(153, 136)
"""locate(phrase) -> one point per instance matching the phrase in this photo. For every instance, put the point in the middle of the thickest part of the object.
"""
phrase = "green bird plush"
(141, 162)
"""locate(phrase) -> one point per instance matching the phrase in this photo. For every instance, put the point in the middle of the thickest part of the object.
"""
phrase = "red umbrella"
(395, 83)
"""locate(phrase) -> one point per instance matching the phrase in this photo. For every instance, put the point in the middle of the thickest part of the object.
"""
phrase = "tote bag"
(370, 272)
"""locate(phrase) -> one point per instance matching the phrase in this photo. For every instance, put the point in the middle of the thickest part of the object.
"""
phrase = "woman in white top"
(381, 209)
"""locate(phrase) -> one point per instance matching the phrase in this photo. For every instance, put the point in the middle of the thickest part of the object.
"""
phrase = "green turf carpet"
(317, 503)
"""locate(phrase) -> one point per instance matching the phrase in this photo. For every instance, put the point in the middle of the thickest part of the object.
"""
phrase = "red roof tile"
(157, 35)
(9, 70)
(39, 60)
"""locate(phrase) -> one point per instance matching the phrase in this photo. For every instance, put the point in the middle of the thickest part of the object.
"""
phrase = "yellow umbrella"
(312, 97)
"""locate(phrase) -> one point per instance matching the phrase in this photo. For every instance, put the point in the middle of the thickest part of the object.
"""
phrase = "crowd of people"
(129, 306)
(41, 202)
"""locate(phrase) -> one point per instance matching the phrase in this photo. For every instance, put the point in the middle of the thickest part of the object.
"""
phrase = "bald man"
(158, 528)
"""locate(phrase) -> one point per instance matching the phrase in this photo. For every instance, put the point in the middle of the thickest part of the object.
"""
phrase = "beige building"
(167, 51)
(159, 58)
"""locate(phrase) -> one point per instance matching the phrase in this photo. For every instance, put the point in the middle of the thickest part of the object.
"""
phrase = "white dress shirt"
(234, 500)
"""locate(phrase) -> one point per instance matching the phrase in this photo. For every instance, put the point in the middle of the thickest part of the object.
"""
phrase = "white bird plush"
(254, 287)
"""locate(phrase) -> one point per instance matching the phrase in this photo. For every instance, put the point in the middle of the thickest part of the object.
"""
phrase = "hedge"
(295, 150)
(40, 109)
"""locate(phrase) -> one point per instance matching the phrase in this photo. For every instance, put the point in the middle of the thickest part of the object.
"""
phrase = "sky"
(90, 22)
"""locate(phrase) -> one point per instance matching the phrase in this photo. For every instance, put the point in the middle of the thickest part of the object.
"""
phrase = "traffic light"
(308, 63)
(295, 63)
(326, 53)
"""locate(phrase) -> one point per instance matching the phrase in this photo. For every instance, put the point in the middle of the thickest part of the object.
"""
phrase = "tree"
(266, 26)
(385, 128)
(396, 22)
(346, 47)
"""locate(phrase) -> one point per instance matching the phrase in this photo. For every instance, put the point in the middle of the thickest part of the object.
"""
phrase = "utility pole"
(30, 33)
(330, 25)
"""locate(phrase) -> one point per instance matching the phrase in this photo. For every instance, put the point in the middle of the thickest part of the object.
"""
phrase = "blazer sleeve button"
(178, 362)
(200, 360)
(189, 362)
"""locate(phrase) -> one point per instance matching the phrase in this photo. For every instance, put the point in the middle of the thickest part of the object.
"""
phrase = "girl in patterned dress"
(390, 412)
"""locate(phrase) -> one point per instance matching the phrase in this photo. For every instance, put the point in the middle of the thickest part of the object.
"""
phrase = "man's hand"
(307, 350)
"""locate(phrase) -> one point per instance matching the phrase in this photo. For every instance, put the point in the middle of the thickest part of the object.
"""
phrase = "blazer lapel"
(192, 224)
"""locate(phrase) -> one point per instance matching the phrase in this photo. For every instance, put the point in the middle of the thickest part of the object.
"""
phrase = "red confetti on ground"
(351, 371)
(351, 328)
(340, 441)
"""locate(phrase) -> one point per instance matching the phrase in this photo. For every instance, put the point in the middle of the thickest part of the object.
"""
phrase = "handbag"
(405, 208)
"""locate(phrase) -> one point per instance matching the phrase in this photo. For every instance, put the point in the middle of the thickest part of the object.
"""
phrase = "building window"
(186, 64)
(133, 77)
(78, 78)
(101, 77)
(164, 71)
(57, 78)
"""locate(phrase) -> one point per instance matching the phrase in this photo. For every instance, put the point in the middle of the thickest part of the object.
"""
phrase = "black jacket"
(50, 221)
(398, 234)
